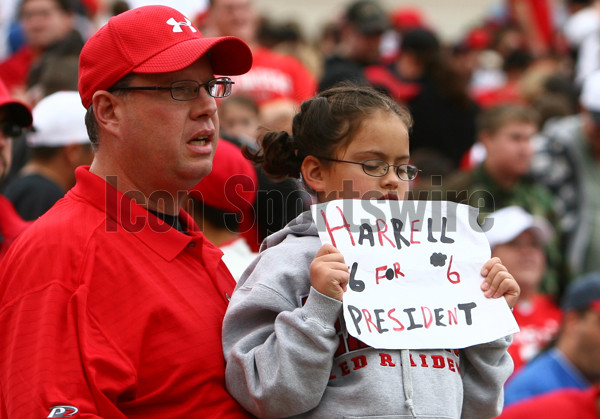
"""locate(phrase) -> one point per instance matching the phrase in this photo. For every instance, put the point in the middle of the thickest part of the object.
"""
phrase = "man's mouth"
(200, 141)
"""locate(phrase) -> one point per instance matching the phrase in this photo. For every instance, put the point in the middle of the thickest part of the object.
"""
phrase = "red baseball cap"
(153, 39)
(16, 109)
(232, 184)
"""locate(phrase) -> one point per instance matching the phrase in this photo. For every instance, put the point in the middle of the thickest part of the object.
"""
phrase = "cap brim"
(19, 111)
(229, 56)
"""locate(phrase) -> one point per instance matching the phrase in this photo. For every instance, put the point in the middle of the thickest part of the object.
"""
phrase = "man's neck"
(506, 182)
(151, 198)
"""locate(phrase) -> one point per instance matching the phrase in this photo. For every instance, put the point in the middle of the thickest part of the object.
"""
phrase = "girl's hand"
(498, 282)
(329, 273)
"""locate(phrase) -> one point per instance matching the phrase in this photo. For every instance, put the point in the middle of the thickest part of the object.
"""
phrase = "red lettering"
(368, 319)
(451, 364)
(425, 320)
(330, 230)
(386, 360)
(344, 368)
(355, 344)
(412, 230)
(452, 317)
(423, 360)
(397, 269)
(396, 329)
(438, 361)
(381, 232)
(359, 362)
(378, 274)
(412, 363)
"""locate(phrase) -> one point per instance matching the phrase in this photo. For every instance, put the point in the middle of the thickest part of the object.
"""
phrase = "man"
(361, 31)
(574, 361)
(518, 239)
(49, 31)
(14, 116)
(111, 304)
(501, 180)
(58, 146)
(567, 162)
(276, 81)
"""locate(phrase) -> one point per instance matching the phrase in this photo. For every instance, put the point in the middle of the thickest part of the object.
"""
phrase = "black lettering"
(430, 237)
(439, 317)
(413, 325)
(445, 239)
(353, 310)
(355, 284)
(379, 320)
(397, 226)
(467, 309)
(366, 232)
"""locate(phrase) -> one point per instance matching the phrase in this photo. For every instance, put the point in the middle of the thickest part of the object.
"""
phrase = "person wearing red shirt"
(49, 31)
(561, 404)
(517, 238)
(14, 116)
(274, 77)
(111, 303)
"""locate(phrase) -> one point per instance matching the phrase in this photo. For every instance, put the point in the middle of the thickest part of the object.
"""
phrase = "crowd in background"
(506, 117)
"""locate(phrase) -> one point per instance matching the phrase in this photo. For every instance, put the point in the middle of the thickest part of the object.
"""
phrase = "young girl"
(284, 349)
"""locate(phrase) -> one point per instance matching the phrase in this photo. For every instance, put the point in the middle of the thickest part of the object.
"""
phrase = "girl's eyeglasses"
(379, 168)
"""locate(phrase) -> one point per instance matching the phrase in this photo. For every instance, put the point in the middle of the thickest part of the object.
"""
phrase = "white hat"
(58, 120)
(590, 92)
(504, 225)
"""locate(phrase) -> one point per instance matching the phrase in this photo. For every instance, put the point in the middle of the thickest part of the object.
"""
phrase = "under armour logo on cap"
(177, 25)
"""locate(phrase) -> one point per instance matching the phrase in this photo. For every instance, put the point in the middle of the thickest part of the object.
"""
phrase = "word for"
(425, 318)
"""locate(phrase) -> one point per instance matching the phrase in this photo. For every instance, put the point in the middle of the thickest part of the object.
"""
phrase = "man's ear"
(106, 107)
(312, 173)
(485, 138)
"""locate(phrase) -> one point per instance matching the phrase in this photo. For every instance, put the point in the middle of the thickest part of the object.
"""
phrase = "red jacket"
(107, 310)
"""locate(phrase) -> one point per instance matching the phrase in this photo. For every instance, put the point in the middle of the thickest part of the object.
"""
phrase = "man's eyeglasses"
(189, 89)
(379, 168)
(11, 130)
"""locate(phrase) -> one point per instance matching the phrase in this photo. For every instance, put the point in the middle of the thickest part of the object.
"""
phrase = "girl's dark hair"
(325, 123)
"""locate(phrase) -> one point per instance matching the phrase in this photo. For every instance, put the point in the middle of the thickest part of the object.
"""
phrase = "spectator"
(239, 119)
(286, 353)
(502, 180)
(567, 162)
(49, 30)
(111, 303)
(14, 116)
(561, 404)
(518, 239)
(223, 201)
(59, 144)
(433, 90)
(574, 361)
(361, 31)
(273, 77)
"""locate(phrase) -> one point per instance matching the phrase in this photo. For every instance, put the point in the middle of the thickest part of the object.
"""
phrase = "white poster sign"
(414, 273)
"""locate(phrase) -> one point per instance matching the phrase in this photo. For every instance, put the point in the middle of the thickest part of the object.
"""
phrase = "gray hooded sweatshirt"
(288, 356)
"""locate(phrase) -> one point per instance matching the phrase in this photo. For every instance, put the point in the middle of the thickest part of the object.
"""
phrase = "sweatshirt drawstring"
(407, 381)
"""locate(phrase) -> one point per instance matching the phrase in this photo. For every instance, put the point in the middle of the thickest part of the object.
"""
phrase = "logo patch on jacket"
(62, 411)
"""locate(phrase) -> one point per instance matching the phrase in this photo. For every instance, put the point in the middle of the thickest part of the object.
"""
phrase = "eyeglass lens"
(188, 90)
(11, 130)
(378, 167)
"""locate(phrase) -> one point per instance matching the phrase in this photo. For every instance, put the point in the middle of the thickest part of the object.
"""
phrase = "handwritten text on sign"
(414, 273)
